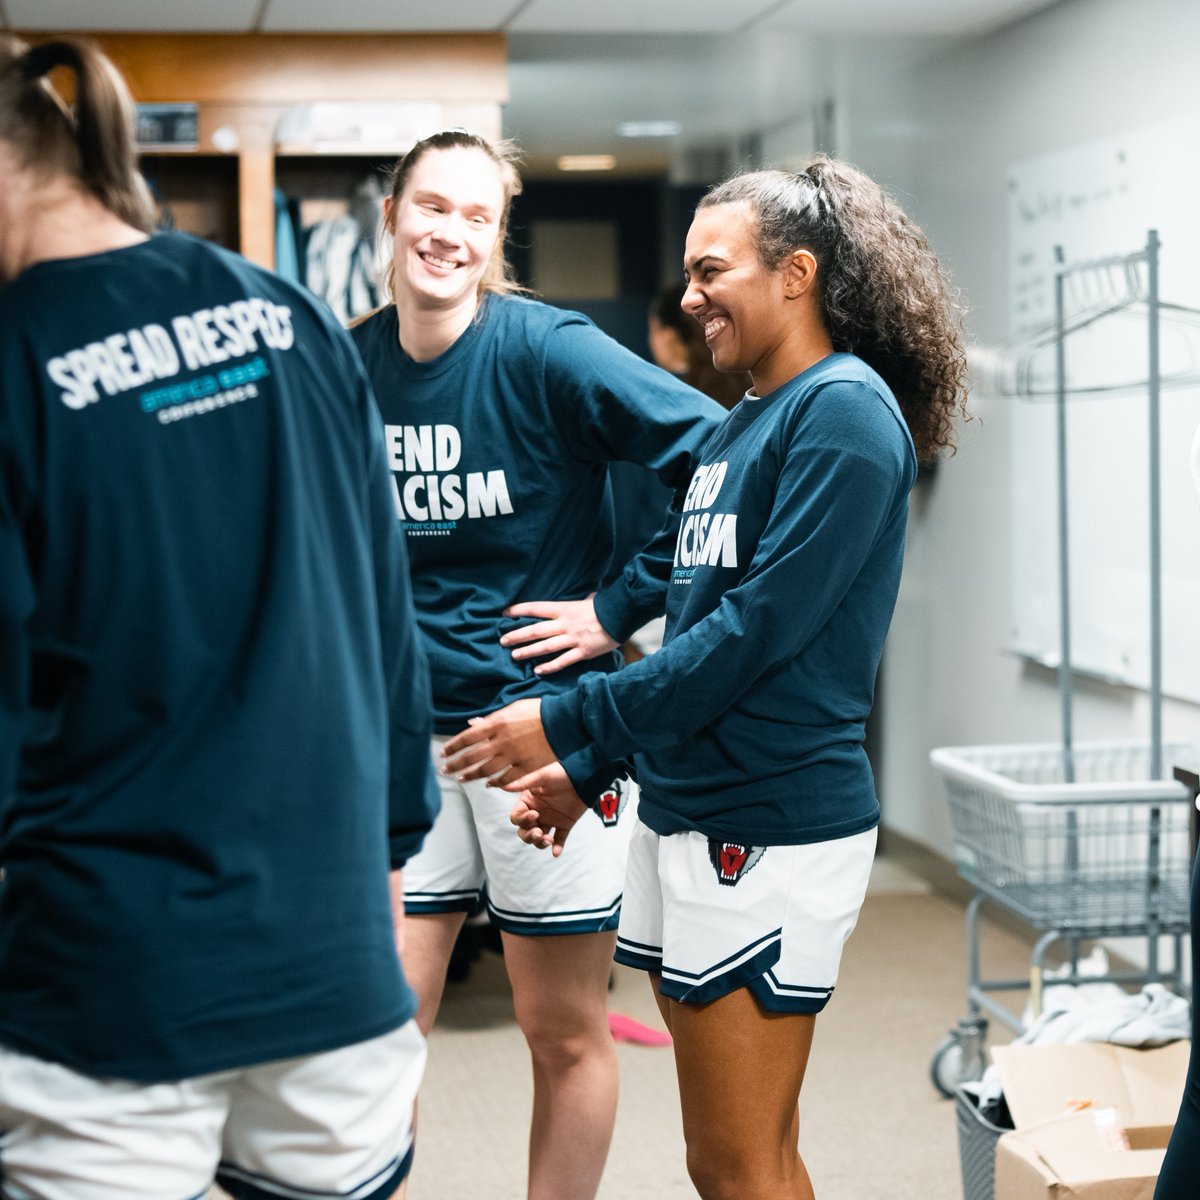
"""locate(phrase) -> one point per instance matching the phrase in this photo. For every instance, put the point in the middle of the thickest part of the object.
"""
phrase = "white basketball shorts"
(338, 1124)
(472, 853)
(713, 916)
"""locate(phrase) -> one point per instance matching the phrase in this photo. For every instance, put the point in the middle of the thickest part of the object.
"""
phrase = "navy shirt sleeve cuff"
(619, 612)
(562, 722)
(591, 774)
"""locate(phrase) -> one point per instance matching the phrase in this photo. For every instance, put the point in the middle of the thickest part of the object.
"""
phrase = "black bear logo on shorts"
(609, 804)
(732, 860)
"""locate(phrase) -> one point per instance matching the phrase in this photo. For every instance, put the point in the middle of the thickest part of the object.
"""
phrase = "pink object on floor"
(626, 1029)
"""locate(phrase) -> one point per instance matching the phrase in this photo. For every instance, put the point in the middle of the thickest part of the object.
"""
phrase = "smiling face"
(446, 226)
(737, 300)
(757, 319)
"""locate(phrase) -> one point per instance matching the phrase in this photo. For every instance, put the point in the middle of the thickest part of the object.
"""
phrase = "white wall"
(942, 136)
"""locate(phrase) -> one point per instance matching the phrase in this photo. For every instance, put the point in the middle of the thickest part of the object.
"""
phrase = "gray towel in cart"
(1151, 1017)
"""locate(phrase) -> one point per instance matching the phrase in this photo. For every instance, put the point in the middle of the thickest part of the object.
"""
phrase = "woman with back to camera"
(758, 812)
(201, 580)
(501, 414)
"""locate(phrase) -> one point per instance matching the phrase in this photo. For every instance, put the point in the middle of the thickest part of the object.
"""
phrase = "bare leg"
(560, 991)
(740, 1071)
(665, 1006)
(428, 943)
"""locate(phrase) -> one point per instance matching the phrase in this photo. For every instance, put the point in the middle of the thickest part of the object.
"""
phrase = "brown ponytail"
(94, 143)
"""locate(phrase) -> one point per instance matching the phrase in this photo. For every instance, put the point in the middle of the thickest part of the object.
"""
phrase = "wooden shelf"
(199, 191)
(243, 85)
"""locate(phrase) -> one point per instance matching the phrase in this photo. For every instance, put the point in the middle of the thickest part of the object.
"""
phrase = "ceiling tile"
(415, 16)
(718, 87)
(678, 17)
(637, 16)
(232, 16)
(871, 17)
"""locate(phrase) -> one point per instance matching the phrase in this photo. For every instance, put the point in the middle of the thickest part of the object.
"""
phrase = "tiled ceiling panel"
(211, 16)
(638, 16)
(705, 82)
(867, 17)
(852, 17)
(391, 16)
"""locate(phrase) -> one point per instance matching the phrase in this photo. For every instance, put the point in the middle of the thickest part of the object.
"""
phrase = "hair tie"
(39, 60)
(821, 199)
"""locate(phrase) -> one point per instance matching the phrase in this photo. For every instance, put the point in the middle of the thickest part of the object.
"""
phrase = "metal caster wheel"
(960, 1058)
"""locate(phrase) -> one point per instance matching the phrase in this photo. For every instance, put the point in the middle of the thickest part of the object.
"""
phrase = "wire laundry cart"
(1107, 855)
(1080, 842)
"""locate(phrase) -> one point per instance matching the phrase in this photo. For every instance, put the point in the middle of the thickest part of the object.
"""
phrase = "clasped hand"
(509, 749)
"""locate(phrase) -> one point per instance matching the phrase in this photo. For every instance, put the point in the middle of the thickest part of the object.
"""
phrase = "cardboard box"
(1061, 1150)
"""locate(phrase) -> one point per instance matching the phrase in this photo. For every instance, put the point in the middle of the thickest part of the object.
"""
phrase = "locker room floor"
(872, 1126)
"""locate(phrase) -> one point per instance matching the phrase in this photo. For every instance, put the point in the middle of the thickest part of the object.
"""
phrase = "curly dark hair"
(883, 293)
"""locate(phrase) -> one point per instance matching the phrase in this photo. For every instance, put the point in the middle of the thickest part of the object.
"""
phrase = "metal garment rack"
(1121, 267)
(1081, 842)
(1126, 268)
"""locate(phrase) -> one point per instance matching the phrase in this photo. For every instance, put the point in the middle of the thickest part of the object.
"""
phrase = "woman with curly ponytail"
(201, 573)
(884, 296)
(758, 813)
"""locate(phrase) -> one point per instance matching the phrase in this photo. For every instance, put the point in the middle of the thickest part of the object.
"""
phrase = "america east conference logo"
(732, 860)
(706, 538)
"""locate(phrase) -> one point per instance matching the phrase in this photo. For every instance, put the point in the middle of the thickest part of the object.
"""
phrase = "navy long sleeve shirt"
(499, 450)
(214, 707)
(748, 723)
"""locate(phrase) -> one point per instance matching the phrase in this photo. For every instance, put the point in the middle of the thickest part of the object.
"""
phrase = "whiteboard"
(1099, 200)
